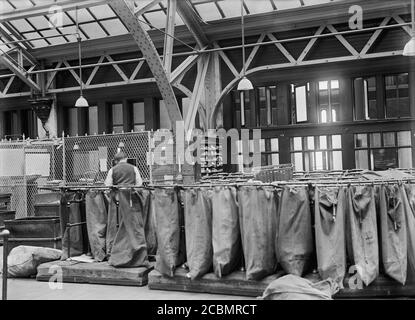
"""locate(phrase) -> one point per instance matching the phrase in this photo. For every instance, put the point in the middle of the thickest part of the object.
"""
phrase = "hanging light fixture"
(244, 84)
(81, 102)
(409, 49)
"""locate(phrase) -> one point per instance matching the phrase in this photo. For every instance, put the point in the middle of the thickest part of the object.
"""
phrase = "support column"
(103, 117)
(2, 125)
(151, 114)
(127, 115)
(212, 90)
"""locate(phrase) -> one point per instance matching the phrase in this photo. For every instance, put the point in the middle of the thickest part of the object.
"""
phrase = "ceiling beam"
(169, 36)
(41, 10)
(192, 21)
(19, 73)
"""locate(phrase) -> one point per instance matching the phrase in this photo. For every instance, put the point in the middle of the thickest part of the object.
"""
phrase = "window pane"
(335, 84)
(319, 161)
(333, 115)
(275, 159)
(361, 159)
(117, 116)
(384, 159)
(323, 142)
(375, 140)
(93, 120)
(274, 144)
(323, 85)
(262, 145)
(138, 109)
(389, 139)
(337, 160)
(310, 143)
(361, 140)
(336, 142)
(323, 118)
(405, 158)
(297, 143)
(301, 103)
(298, 161)
(404, 138)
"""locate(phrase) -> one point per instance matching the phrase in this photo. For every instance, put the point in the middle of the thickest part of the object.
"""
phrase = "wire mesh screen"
(89, 158)
(25, 167)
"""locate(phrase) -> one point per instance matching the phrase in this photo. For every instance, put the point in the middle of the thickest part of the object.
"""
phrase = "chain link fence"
(89, 158)
(25, 167)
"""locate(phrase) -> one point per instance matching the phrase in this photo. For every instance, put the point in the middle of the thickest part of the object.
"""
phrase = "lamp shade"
(409, 49)
(245, 84)
(81, 102)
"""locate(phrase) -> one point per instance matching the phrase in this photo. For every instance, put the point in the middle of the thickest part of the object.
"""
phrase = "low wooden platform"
(94, 273)
(236, 284)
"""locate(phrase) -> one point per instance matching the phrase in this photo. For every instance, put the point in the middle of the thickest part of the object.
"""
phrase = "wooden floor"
(95, 273)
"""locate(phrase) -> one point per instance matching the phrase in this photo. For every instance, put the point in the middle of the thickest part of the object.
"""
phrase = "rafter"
(254, 51)
(374, 36)
(281, 48)
(227, 61)
(139, 11)
(310, 44)
(343, 41)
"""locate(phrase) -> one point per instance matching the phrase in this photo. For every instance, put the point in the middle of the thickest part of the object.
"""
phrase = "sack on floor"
(330, 209)
(258, 222)
(226, 235)
(198, 229)
(294, 222)
(169, 236)
(23, 261)
(292, 287)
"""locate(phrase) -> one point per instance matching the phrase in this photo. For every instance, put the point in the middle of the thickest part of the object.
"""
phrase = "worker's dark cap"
(120, 156)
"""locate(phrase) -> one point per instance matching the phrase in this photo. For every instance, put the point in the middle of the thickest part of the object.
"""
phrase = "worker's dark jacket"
(123, 173)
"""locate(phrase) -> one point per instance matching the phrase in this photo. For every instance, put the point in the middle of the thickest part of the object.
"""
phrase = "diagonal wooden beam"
(53, 75)
(117, 68)
(399, 20)
(73, 73)
(183, 67)
(281, 48)
(310, 44)
(136, 70)
(227, 61)
(9, 83)
(374, 36)
(19, 72)
(254, 51)
(94, 71)
(343, 41)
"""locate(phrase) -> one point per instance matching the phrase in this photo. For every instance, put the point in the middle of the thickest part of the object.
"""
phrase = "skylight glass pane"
(315, 2)
(142, 3)
(287, 4)
(5, 6)
(72, 30)
(102, 12)
(21, 4)
(22, 25)
(114, 27)
(39, 22)
(93, 30)
(178, 21)
(65, 20)
(83, 15)
(208, 11)
(258, 6)
(156, 18)
(230, 9)
(35, 43)
(53, 41)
